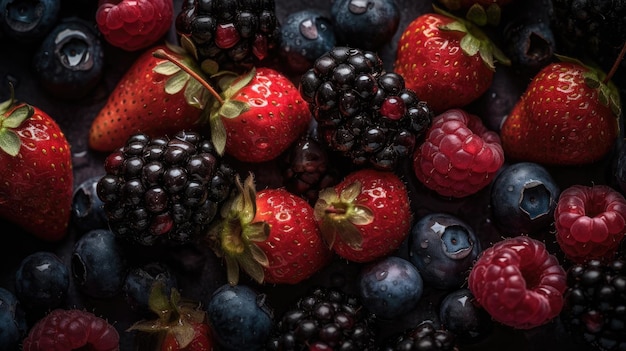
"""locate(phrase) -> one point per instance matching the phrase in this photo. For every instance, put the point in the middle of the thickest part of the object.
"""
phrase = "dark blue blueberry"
(70, 60)
(98, 265)
(13, 326)
(27, 21)
(523, 198)
(460, 314)
(365, 24)
(619, 168)
(443, 248)
(305, 36)
(140, 280)
(529, 43)
(87, 208)
(390, 287)
(240, 318)
(42, 281)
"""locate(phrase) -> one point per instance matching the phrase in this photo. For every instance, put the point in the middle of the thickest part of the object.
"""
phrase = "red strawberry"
(72, 329)
(447, 61)
(134, 24)
(566, 116)
(590, 222)
(36, 178)
(181, 323)
(272, 235)
(154, 96)
(366, 216)
(262, 114)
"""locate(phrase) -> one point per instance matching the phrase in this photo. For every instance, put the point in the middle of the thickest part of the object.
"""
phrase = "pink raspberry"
(518, 282)
(590, 222)
(134, 24)
(72, 329)
(459, 156)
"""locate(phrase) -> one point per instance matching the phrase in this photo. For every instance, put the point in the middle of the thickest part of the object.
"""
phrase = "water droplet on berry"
(359, 6)
(308, 29)
(381, 275)
(261, 143)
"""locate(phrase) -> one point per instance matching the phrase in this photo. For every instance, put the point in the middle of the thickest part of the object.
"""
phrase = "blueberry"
(523, 197)
(443, 248)
(305, 36)
(529, 43)
(240, 317)
(27, 21)
(98, 264)
(390, 287)
(42, 281)
(460, 314)
(70, 60)
(13, 325)
(87, 208)
(140, 280)
(366, 24)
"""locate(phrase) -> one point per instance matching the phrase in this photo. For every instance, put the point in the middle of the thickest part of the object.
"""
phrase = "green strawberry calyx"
(235, 235)
(175, 315)
(477, 13)
(474, 40)
(339, 214)
(12, 117)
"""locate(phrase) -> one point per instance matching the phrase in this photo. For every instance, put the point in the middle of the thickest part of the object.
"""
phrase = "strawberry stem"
(162, 54)
(616, 64)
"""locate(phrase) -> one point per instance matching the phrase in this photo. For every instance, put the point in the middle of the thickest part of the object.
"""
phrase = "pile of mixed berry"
(280, 175)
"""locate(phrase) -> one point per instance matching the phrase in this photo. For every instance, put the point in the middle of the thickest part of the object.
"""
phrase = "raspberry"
(72, 329)
(590, 222)
(459, 157)
(518, 282)
(134, 25)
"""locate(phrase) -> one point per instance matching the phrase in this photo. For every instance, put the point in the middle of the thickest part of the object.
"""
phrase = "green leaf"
(189, 47)
(176, 83)
(184, 334)
(351, 192)
(457, 26)
(259, 255)
(166, 68)
(18, 116)
(257, 232)
(210, 67)
(195, 94)
(232, 270)
(349, 233)
(233, 108)
(470, 45)
(253, 268)
(218, 134)
(158, 301)
(238, 84)
(477, 14)
(10, 142)
(361, 215)
(494, 14)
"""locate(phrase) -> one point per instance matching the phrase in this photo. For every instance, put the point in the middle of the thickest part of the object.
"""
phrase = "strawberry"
(271, 234)
(447, 61)
(154, 96)
(134, 24)
(567, 116)
(366, 216)
(36, 178)
(262, 114)
(181, 323)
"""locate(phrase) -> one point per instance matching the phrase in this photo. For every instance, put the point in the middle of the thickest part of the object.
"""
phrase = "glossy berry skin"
(460, 314)
(390, 287)
(590, 222)
(134, 25)
(523, 198)
(518, 282)
(72, 329)
(28, 21)
(87, 208)
(13, 325)
(42, 281)
(304, 36)
(443, 248)
(140, 280)
(98, 264)
(240, 317)
(459, 156)
(69, 62)
(375, 20)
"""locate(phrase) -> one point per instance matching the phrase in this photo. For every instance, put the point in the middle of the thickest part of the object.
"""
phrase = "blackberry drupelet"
(595, 304)
(234, 33)
(424, 336)
(325, 319)
(363, 112)
(164, 190)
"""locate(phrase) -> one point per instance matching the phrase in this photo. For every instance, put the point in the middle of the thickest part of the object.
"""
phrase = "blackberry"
(424, 336)
(595, 304)
(164, 190)
(363, 112)
(234, 33)
(325, 319)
